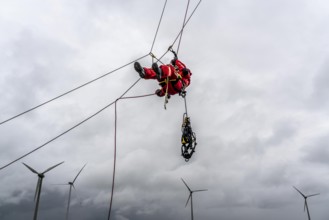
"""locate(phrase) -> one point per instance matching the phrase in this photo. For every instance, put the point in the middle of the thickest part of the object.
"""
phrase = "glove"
(173, 61)
(185, 71)
(159, 93)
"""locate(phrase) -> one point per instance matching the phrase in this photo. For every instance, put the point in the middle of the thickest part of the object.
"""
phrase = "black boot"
(157, 70)
(139, 69)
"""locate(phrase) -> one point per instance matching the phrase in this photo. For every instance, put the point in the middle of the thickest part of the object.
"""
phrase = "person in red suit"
(173, 78)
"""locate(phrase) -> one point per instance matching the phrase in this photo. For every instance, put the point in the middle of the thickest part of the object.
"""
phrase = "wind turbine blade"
(52, 167)
(313, 195)
(300, 192)
(188, 199)
(30, 168)
(186, 185)
(200, 190)
(79, 173)
(305, 205)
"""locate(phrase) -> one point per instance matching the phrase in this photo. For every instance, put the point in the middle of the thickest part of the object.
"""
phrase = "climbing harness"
(188, 139)
(166, 83)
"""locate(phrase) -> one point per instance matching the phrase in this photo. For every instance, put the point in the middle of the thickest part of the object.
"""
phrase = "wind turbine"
(39, 185)
(305, 203)
(71, 184)
(190, 196)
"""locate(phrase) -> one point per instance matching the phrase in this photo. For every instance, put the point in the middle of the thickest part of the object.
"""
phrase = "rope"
(138, 96)
(114, 158)
(188, 3)
(166, 95)
(185, 105)
(72, 90)
(70, 129)
(186, 22)
(156, 33)
(182, 28)
(115, 147)
(154, 57)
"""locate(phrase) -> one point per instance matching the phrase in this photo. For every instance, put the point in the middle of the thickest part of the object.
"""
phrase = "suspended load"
(188, 138)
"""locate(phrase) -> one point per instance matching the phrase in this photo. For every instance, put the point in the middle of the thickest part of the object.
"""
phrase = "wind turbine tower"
(305, 203)
(39, 185)
(71, 184)
(190, 196)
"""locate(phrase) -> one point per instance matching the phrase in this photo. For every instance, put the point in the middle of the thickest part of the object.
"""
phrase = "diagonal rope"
(180, 38)
(182, 28)
(72, 90)
(186, 22)
(156, 33)
(115, 147)
(70, 129)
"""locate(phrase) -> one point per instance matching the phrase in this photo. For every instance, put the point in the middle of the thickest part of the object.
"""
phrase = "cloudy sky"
(258, 103)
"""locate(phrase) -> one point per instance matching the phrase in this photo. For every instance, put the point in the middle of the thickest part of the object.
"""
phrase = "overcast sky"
(258, 103)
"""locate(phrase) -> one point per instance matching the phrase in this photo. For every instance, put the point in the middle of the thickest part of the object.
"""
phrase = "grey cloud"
(282, 131)
(249, 103)
(52, 206)
(320, 88)
(317, 152)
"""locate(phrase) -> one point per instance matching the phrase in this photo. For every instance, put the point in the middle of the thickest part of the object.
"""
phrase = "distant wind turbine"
(305, 203)
(190, 196)
(71, 184)
(39, 185)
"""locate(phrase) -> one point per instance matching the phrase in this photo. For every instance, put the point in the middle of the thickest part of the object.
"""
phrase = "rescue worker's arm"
(186, 71)
(175, 54)
(173, 61)
(186, 77)
(171, 50)
(180, 65)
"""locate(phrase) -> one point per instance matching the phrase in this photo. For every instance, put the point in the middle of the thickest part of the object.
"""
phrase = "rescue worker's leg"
(139, 69)
(157, 70)
(145, 73)
(149, 73)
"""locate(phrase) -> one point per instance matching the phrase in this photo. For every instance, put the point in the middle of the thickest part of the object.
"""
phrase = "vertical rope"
(186, 22)
(166, 95)
(182, 28)
(156, 33)
(181, 35)
(115, 146)
(115, 157)
(185, 105)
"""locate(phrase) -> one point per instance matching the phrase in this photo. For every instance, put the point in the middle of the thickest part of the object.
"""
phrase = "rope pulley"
(188, 138)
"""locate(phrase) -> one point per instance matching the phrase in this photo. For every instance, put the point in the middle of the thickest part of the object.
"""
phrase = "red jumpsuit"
(179, 76)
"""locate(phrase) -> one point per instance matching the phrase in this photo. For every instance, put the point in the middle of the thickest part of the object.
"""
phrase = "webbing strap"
(166, 95)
